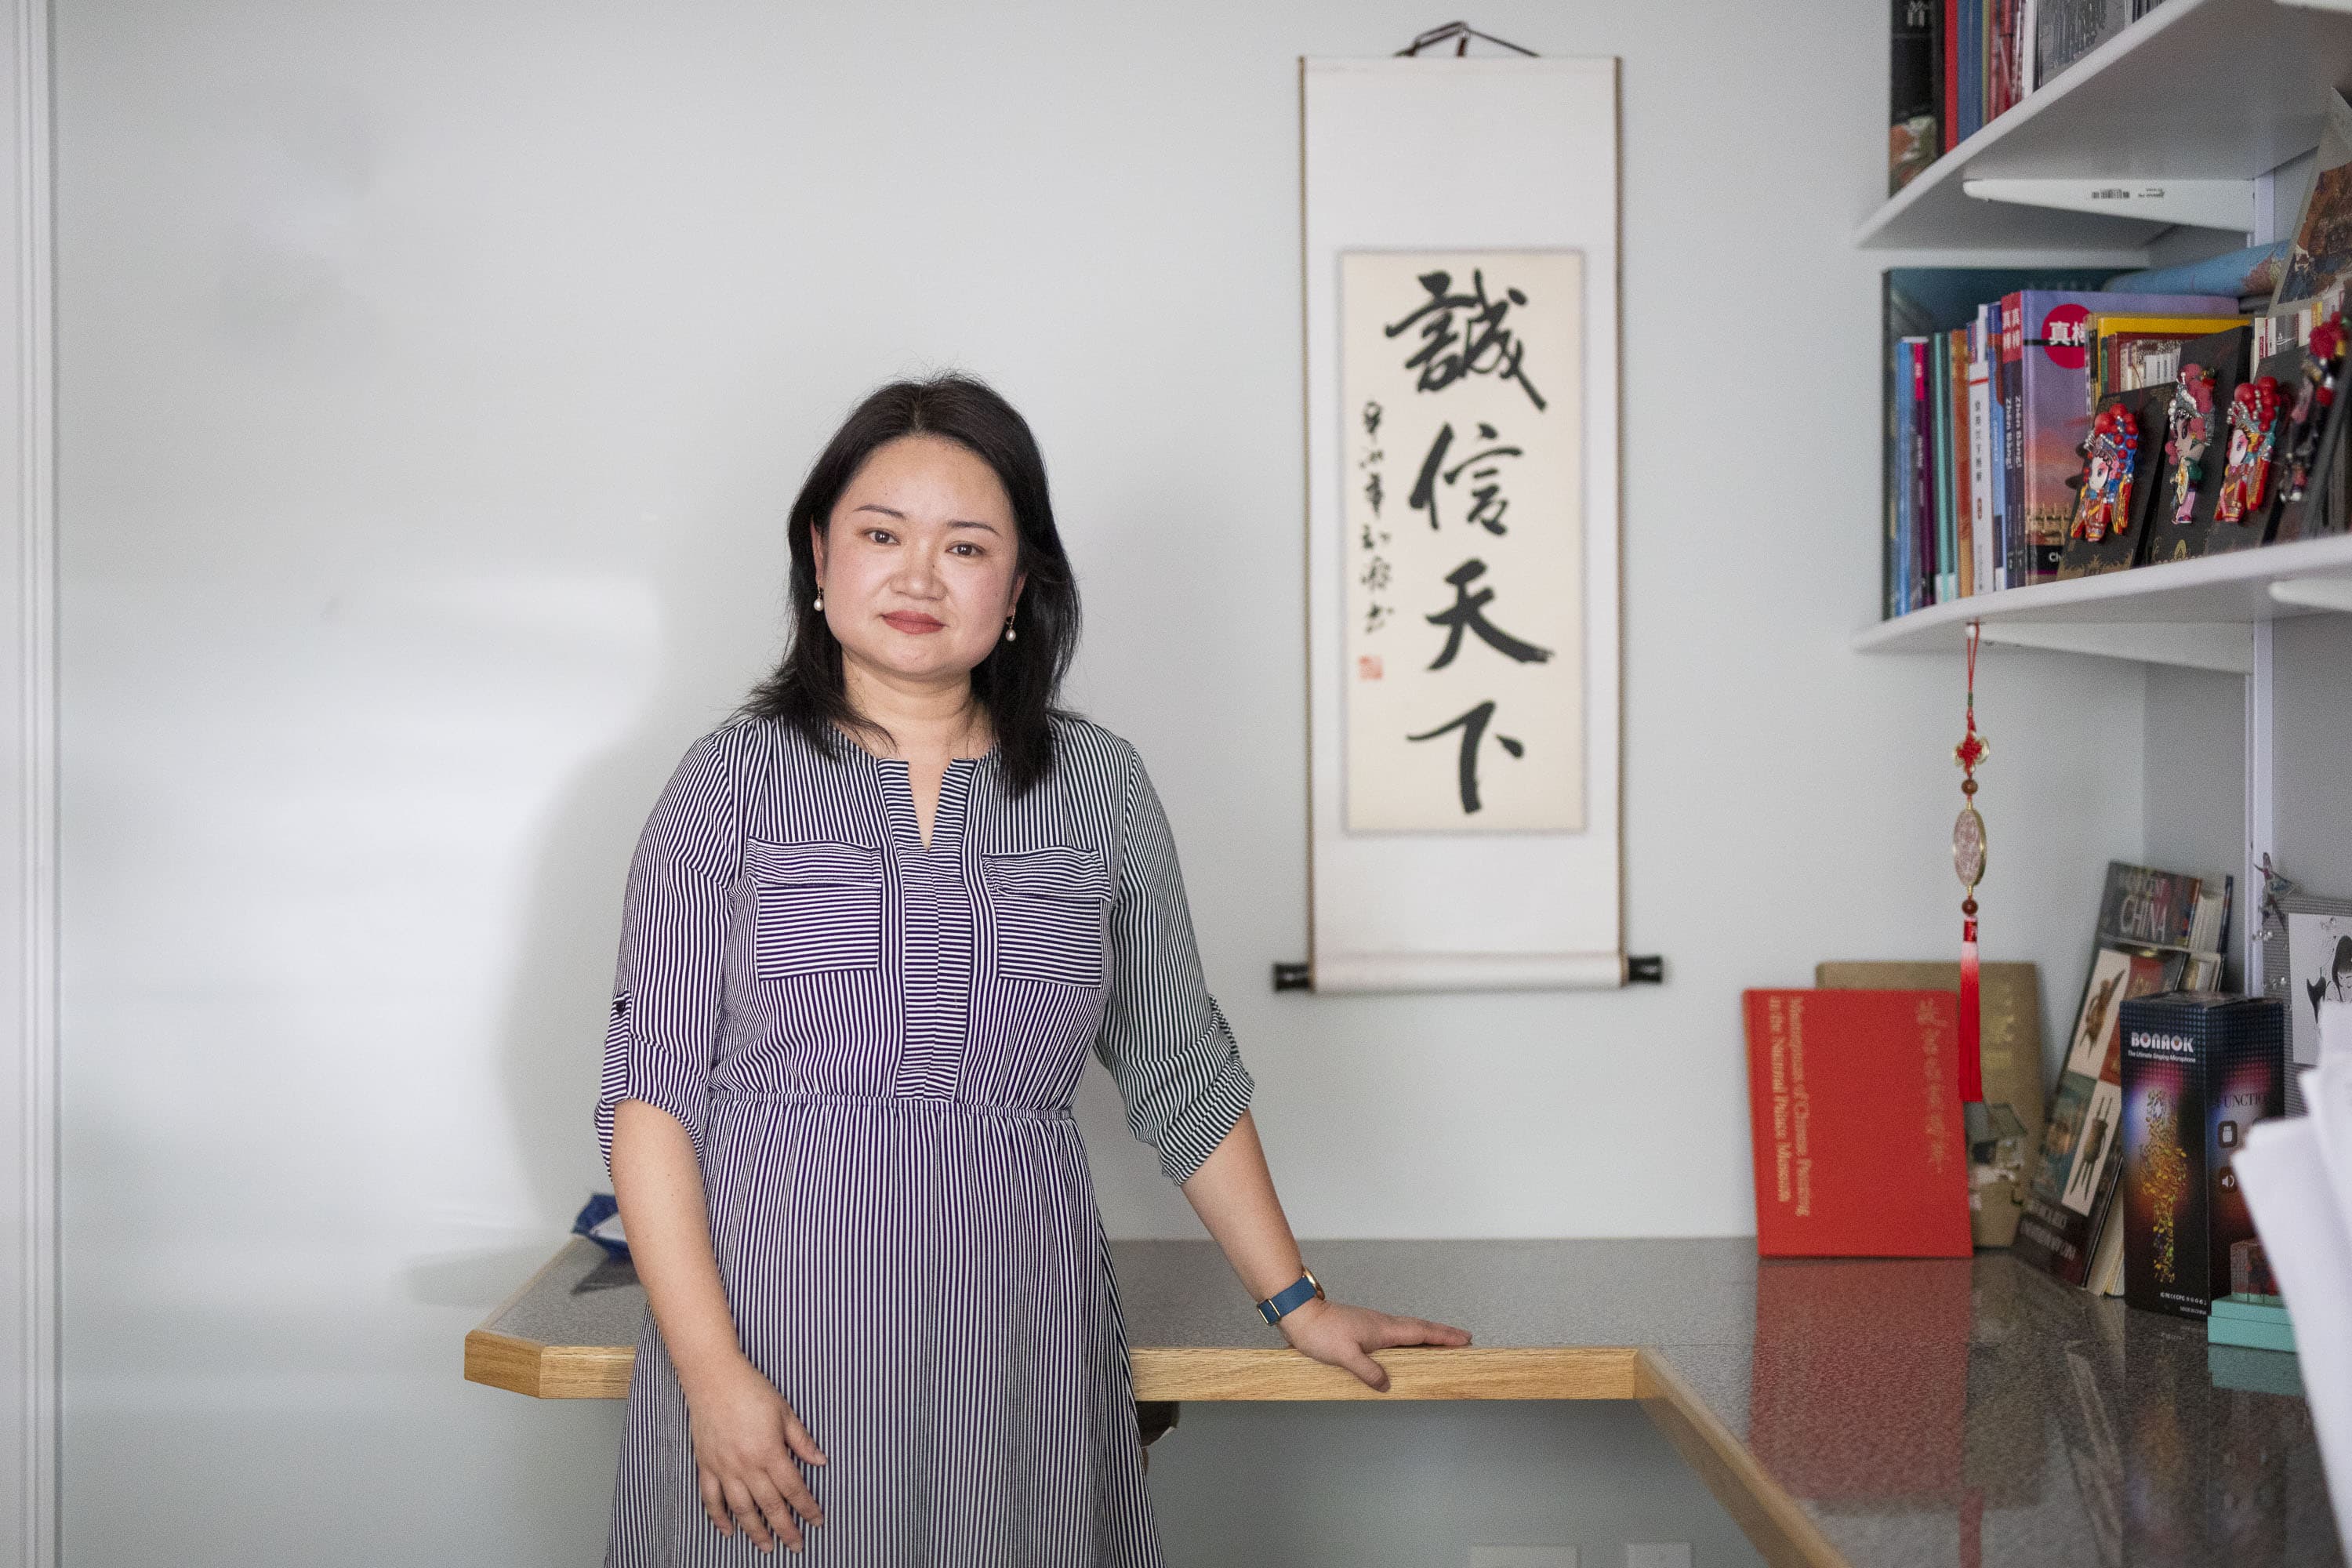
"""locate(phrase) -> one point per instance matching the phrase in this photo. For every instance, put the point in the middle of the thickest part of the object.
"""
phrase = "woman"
(873, 928)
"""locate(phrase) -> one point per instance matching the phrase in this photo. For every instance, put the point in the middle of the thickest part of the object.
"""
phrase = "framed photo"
(2319, 967)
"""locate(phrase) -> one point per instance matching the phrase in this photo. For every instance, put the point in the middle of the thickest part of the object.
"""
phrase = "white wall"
(2193, 790)
(2314, 716)
(433, 379)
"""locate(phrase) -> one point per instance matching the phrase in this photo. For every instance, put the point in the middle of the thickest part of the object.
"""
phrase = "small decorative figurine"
(2253, 427)
(2314, 392)
(2187, 429)
(2104, 505)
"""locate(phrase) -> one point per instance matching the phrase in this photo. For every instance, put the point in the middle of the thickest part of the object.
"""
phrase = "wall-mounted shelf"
(2200, 614)
(2195, 91)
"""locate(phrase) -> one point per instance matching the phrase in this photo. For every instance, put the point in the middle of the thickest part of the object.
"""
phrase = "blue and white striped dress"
(873, 1045)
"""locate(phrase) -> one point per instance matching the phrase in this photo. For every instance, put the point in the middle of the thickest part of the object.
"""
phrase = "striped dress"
(873, 1043)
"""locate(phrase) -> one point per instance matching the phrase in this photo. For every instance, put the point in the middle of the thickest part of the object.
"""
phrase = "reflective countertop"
(1848, 1414)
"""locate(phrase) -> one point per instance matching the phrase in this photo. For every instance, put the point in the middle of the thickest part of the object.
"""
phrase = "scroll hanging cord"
(1460, 33)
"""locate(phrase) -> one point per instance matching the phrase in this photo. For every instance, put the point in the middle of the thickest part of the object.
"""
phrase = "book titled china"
(1859, 1149)
(2158, 931)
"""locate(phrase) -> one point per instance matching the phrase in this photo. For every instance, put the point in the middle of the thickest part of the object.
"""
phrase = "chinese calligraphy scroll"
(1465, 639)
(1459, 272)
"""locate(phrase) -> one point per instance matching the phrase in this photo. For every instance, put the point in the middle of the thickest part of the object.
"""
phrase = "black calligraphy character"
(1468, 613)
(1378, 616)
(1424, 489)
(1371, 418)
(1488, 501)
(1484, 346)
(1374, 493)
(1473, 726)
(1375, 574)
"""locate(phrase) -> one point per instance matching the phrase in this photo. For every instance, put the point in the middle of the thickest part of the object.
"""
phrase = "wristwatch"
(1307, 1289)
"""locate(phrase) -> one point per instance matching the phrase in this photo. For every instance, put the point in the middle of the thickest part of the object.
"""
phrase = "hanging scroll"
(1460, 226)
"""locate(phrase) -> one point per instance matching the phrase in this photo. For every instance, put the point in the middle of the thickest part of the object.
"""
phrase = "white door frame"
(28, 798)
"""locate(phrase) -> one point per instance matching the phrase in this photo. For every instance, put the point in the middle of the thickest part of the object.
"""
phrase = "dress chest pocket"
(1052, 910)
(815, 907)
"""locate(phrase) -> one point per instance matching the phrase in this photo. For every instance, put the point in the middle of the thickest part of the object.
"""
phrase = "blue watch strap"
(1298, 1295)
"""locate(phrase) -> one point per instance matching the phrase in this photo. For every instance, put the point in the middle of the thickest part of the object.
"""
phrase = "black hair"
(1017, 683)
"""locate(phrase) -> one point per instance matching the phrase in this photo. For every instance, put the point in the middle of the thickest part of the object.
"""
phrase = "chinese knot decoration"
(1968, 861)
(2253, 427)
(2189, 429)
(2322, 360)
(2104, 505)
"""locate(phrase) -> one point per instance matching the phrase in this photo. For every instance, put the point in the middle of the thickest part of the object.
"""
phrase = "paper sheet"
(2298, 1208)
(2335, 1023)
(2328, 1098)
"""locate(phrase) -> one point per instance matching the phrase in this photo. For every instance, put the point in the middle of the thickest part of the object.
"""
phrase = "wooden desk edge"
(548, 1372)
(1781, 1530)
(1159, 1373)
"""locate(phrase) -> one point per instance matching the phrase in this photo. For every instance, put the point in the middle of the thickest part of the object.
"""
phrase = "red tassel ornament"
(1968, 860)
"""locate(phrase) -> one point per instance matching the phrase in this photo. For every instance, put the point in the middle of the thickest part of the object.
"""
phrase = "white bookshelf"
(2202, 90)
(2201, 613)
(2176, 119)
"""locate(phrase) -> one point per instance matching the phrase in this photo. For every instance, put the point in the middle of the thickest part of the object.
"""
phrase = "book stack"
(2042, 425)
(1956, 66)
(1991, 397)
(2158, 931)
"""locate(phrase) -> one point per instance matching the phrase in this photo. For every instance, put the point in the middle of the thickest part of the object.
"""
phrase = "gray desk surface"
(1846, 1413)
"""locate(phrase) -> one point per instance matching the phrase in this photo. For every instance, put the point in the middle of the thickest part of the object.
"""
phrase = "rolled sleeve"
(1163, 1038)
(661, 1035)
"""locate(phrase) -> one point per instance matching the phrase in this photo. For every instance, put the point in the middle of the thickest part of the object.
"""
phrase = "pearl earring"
(819, 605)
(1008, 628)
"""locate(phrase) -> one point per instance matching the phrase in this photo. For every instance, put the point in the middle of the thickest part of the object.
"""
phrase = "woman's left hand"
(1341, 1335)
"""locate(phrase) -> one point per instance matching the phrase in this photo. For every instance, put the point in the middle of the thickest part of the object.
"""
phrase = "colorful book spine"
(1950, 41)
(2072, 29)
(1984, 551)
(1995, 490)
(2000, 58)
(1915, 117)
(1923, 477)
(1902, 557)
(2019, 542)
(2118, 334)
(1939, 417)
(1923, 473)
(1964, 530)
(2291, 326)
(1971, 67)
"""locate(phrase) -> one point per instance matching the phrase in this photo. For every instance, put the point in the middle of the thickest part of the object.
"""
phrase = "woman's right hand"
(745, 1440)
